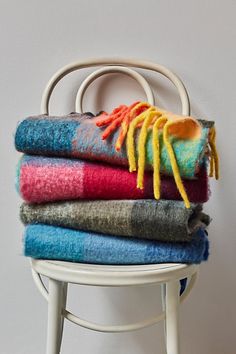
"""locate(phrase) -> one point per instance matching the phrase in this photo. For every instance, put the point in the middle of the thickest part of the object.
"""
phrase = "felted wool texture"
(76, 135)
(51, 242)
(162, 220)
(43, 179)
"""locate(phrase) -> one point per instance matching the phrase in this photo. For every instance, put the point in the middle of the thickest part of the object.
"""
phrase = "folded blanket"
(149, 219)
(50, 242)
(77, 135)
(41, 179)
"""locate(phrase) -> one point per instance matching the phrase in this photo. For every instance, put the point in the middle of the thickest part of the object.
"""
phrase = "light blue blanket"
(51, 242)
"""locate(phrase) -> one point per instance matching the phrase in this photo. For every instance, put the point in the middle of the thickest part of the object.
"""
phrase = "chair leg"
(172, 317)
(63, 306)
(54, 316)
(163, 302)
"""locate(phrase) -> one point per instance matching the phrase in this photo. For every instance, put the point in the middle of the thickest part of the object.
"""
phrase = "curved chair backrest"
(118, 62)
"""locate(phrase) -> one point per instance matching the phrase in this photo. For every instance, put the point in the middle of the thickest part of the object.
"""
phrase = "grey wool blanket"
(162, 220)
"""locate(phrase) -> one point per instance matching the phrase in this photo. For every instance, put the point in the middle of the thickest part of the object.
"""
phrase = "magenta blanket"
(42, 179)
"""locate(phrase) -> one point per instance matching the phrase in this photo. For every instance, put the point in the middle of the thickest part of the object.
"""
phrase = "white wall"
(197, 40)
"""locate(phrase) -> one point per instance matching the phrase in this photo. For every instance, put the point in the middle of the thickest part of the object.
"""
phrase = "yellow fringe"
(156, 157)
(214, 158)
(130, 145)
(174, 164)
(142, 146)
(212, 164)
(158, 118)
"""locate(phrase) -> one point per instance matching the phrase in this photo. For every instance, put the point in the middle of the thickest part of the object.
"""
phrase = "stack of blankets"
(125, 187)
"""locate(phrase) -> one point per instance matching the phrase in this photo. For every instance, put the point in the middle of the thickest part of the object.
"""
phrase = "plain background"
(196, 39)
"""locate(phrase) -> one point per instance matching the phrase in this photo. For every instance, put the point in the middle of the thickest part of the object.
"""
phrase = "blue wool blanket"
(51, 242)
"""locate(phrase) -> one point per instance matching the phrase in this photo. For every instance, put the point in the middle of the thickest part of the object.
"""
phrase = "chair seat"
(112, 275)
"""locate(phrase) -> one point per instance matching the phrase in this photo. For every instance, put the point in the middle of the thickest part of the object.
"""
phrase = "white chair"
(60, 273)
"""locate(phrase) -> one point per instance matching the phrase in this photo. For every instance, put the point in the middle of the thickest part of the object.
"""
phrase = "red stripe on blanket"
(107, 182)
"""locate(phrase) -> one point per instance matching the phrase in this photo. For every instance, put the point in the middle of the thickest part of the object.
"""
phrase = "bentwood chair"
(60, 273)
